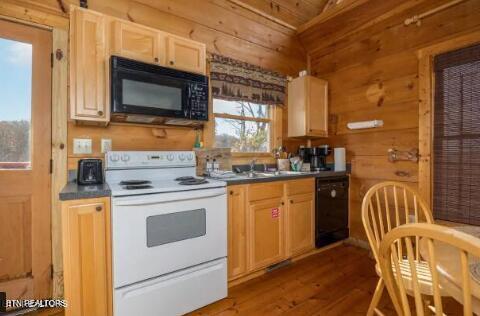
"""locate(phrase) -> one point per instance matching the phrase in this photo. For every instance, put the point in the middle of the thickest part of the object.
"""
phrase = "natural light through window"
(15, 104)
(243, 126)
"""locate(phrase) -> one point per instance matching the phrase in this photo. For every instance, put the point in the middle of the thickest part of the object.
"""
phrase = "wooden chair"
(398, 245)
(385, 206)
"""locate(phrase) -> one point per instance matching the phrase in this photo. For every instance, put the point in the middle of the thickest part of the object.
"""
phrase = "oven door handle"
(168, 197)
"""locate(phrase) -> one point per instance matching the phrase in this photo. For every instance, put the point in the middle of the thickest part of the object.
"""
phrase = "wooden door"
(317, 107)
(137, 42)
(25, 152)
(186, 55)
(237, 239)
(88, 67)
(266, 233)
(87, 257)
(300, 223)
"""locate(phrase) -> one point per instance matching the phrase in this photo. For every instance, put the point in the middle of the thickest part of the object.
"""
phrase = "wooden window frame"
(426, 87)
(274, 119)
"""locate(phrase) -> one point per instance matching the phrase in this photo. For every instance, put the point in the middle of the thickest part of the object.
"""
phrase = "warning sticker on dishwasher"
(275, 212)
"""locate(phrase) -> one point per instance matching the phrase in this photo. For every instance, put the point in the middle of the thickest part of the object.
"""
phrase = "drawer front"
(302, 186)
(264, 191)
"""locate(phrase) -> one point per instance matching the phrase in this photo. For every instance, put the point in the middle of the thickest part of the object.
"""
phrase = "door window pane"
(15, 104)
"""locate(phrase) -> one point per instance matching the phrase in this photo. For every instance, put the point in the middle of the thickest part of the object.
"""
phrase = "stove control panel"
(149, 159)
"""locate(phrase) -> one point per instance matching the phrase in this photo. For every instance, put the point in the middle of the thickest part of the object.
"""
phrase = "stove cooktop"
(138, 187)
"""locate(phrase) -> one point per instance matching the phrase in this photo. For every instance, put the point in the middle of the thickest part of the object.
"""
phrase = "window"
(456, 141)
(15, 104)
(243, 126)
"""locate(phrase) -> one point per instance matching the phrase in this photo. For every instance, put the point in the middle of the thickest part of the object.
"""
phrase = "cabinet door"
(137, 42)
(266, 233)
(300, 224)
(87, 260)
(88, 67)
(317, 107)
(237, 239)
(186, 55)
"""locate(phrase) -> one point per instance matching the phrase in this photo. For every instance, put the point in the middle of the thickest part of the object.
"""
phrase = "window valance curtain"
(239, 81)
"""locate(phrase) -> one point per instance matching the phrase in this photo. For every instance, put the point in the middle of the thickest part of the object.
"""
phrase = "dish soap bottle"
(197, 143)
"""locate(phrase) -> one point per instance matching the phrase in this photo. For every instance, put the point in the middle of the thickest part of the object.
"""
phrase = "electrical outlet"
(106, 145)
(82, 146)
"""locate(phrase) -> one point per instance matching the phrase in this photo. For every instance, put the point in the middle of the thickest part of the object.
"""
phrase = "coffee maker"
(318, 158)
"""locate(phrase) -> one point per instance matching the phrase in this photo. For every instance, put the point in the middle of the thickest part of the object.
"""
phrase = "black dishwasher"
(331, 210)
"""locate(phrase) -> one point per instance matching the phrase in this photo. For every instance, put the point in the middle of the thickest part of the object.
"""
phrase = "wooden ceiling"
(291, 12)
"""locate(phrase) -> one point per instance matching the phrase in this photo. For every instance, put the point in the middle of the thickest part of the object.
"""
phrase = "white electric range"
(169, 233)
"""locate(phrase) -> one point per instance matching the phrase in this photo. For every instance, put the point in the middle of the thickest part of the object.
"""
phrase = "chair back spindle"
(429, 235)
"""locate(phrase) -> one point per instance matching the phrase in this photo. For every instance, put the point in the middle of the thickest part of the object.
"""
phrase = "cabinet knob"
(283, 203)
(171, 62)
(231, 192)
(98, 208)
(100, 113)
(156, 59)
(291, 201)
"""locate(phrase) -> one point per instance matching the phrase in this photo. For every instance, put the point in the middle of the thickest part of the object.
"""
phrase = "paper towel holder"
(365, 124)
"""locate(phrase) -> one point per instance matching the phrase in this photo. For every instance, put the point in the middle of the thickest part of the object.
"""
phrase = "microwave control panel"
(198, 101)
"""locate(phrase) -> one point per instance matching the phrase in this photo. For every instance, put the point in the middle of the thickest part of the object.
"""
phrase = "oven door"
(152, 94)
(160, 233)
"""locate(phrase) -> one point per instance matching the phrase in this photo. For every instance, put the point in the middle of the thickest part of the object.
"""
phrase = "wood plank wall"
(224, 27)
(369, 58)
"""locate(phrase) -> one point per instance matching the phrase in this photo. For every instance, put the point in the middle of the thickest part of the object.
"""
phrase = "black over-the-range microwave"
(151, 94)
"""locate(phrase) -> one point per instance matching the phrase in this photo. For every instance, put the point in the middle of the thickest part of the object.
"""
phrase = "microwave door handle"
(165, 198)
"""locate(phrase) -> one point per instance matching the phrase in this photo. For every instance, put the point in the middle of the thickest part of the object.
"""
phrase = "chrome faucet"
(251, 173)
(252, 165)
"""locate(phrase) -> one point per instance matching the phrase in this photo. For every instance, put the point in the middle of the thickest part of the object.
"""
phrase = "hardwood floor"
(339, 281)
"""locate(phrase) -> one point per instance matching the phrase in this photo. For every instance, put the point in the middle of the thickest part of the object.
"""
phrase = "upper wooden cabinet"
(186, 54)
(87, 257)
(137, 42)
(88, 64)
(94, 37)
(307, 107)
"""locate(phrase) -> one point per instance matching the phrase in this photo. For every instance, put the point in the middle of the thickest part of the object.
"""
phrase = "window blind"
(456, 141)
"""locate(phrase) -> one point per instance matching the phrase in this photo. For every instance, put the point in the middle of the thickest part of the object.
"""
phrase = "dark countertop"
(73, 191)
(320, 174)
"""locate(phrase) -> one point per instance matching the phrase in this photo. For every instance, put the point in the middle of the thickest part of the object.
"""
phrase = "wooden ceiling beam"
(263, 14)
(338, 9)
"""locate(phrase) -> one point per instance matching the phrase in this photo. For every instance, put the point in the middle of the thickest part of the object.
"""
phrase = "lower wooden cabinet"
(266, 232)
(268, 223)
(87, 257)
(301, 223)
(237, 234)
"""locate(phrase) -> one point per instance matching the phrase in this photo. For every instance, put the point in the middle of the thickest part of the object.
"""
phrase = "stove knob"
(190, 156)
(170, 157)
(181, 157)
(125, 158)
(114, 158)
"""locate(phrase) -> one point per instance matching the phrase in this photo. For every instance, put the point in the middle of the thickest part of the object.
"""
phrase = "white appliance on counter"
(169, 234)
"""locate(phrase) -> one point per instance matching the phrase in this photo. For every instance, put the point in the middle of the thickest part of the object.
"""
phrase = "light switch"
(106, 145)
(82, 146)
